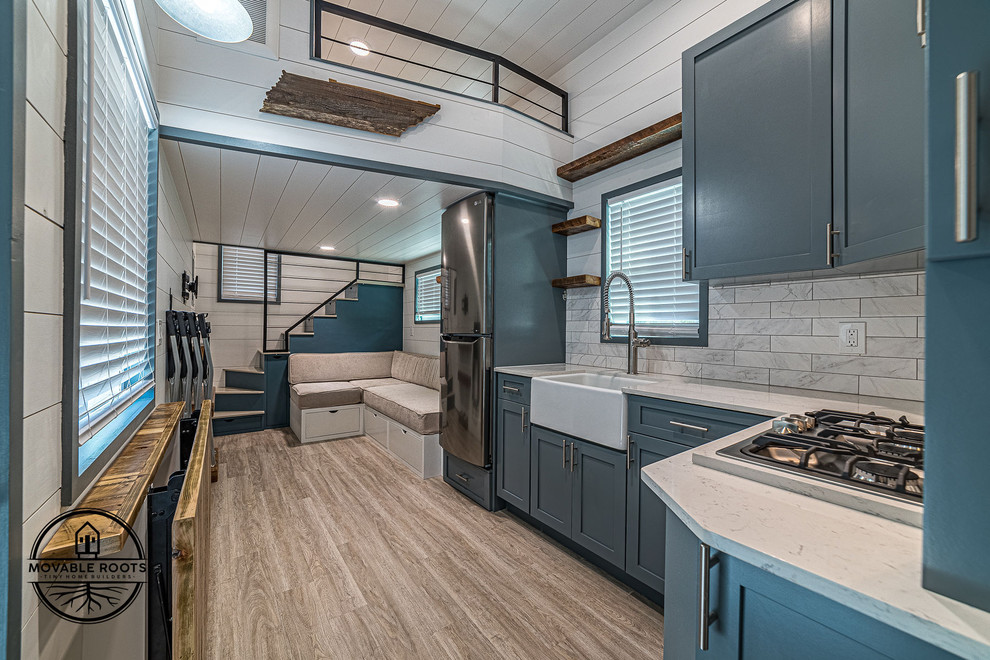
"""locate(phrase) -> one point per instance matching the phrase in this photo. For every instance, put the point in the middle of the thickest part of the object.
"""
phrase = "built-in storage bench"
(392, 397)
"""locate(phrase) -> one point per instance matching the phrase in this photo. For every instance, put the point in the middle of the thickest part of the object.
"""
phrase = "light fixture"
(388, 202)
(360, 48)
(327, 247)
(465, 220)
(220, 20)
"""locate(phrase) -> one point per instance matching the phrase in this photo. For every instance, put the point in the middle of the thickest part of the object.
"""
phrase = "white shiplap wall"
(768, 334)
(41, 631)
(418, 337)
(175, 255)
(215, 89)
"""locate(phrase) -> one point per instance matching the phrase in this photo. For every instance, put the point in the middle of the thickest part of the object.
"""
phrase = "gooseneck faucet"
(635, 343)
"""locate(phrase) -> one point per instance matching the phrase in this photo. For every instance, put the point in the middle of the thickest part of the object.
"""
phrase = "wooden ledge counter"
(122, 488)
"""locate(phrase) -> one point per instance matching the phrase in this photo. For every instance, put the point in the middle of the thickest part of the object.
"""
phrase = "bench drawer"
(513, 388)
(685, 423)
(325, 423)
(376, 426)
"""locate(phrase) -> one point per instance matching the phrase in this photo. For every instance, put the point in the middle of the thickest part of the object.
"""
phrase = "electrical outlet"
(852, 338)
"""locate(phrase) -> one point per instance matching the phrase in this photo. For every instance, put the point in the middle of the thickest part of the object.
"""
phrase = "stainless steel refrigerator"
(466, 330)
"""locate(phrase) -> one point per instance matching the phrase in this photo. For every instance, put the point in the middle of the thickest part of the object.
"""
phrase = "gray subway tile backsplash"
(786, 334)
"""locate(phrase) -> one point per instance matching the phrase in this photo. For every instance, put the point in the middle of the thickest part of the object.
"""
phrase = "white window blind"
(428, 296)
(116, 334)
(644, 241)
(242, 274)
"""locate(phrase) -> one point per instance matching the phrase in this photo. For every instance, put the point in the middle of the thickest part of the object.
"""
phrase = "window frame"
(278, 276)
(438, 268)
(136, 411)
(702, 338)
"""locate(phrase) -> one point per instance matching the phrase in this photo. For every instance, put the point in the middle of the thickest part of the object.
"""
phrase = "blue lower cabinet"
(598, 492)
(579, 490)
(512, 453)
(755, 614)
(646, 514)
(550, 479)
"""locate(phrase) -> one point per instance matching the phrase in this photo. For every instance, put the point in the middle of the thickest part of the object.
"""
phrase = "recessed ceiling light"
(465, 220)
(327, 247)
(360, 48)
(388, 202)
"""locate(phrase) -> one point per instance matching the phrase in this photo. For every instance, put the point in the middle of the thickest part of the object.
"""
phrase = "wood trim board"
(643, 141)
(121, 489)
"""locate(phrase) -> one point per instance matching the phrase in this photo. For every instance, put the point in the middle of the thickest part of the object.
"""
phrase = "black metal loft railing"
(351, 38)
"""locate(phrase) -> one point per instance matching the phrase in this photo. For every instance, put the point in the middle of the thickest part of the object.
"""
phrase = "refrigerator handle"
(450, 339)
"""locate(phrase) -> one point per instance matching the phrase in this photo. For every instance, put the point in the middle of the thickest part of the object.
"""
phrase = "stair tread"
(323, 316)
(237, 390)
(301, 334)
(245, 370)
(227, 414)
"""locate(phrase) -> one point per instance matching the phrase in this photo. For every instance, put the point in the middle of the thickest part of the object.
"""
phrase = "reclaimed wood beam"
(350, 106)
(637, 144)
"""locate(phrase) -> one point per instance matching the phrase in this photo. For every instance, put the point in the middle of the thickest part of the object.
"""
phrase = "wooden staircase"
(251, 399)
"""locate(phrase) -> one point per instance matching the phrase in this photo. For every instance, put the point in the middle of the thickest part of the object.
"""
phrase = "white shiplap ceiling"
(253, 200)
(539, 35)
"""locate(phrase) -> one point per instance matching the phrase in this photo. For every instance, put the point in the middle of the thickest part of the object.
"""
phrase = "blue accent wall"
(372, 323)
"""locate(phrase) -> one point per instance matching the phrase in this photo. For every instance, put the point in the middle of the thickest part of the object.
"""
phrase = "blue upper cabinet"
(878, 120)
(957, 520)
(804, 138)
(757, 143)
(957, 34)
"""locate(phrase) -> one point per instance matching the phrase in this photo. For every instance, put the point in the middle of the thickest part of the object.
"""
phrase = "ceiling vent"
(258, 11)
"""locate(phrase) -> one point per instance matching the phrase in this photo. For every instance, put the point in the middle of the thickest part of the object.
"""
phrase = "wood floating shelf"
(350, 106)
(577, 282)
(637, 144)
(577, 225)
(122, 488)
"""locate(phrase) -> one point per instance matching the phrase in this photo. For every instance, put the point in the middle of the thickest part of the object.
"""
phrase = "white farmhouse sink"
(583, 405)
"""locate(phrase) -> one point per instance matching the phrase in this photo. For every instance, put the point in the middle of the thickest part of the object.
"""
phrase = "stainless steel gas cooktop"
(863, 451)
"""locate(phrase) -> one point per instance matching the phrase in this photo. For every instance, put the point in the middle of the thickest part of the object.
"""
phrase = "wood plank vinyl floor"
(336, 550)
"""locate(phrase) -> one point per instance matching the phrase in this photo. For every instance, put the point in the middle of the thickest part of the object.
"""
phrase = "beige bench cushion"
(324, 367)
(375, 382)
(415, 368)
(414, 406)
(324, 395)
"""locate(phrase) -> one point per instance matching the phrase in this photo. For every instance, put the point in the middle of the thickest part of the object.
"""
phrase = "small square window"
(427, 296)
(242, 275)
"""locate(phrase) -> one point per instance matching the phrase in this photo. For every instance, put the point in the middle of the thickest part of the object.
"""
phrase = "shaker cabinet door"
(879, 129)
(550, 479)
(757, 143)
(599, 509)
(513, 453)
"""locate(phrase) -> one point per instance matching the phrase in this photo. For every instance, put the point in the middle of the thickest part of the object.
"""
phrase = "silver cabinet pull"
(563, 454)
(967, 115)
(522, 417)
(509, 388)
(629, 444)
(682, 425)
(463, 477)
(830, 253)
(705, 616)
(572, 457)
(921, 23)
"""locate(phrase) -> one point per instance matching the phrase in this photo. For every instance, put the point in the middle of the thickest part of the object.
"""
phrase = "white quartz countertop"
(755, 399)
(867, 563)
